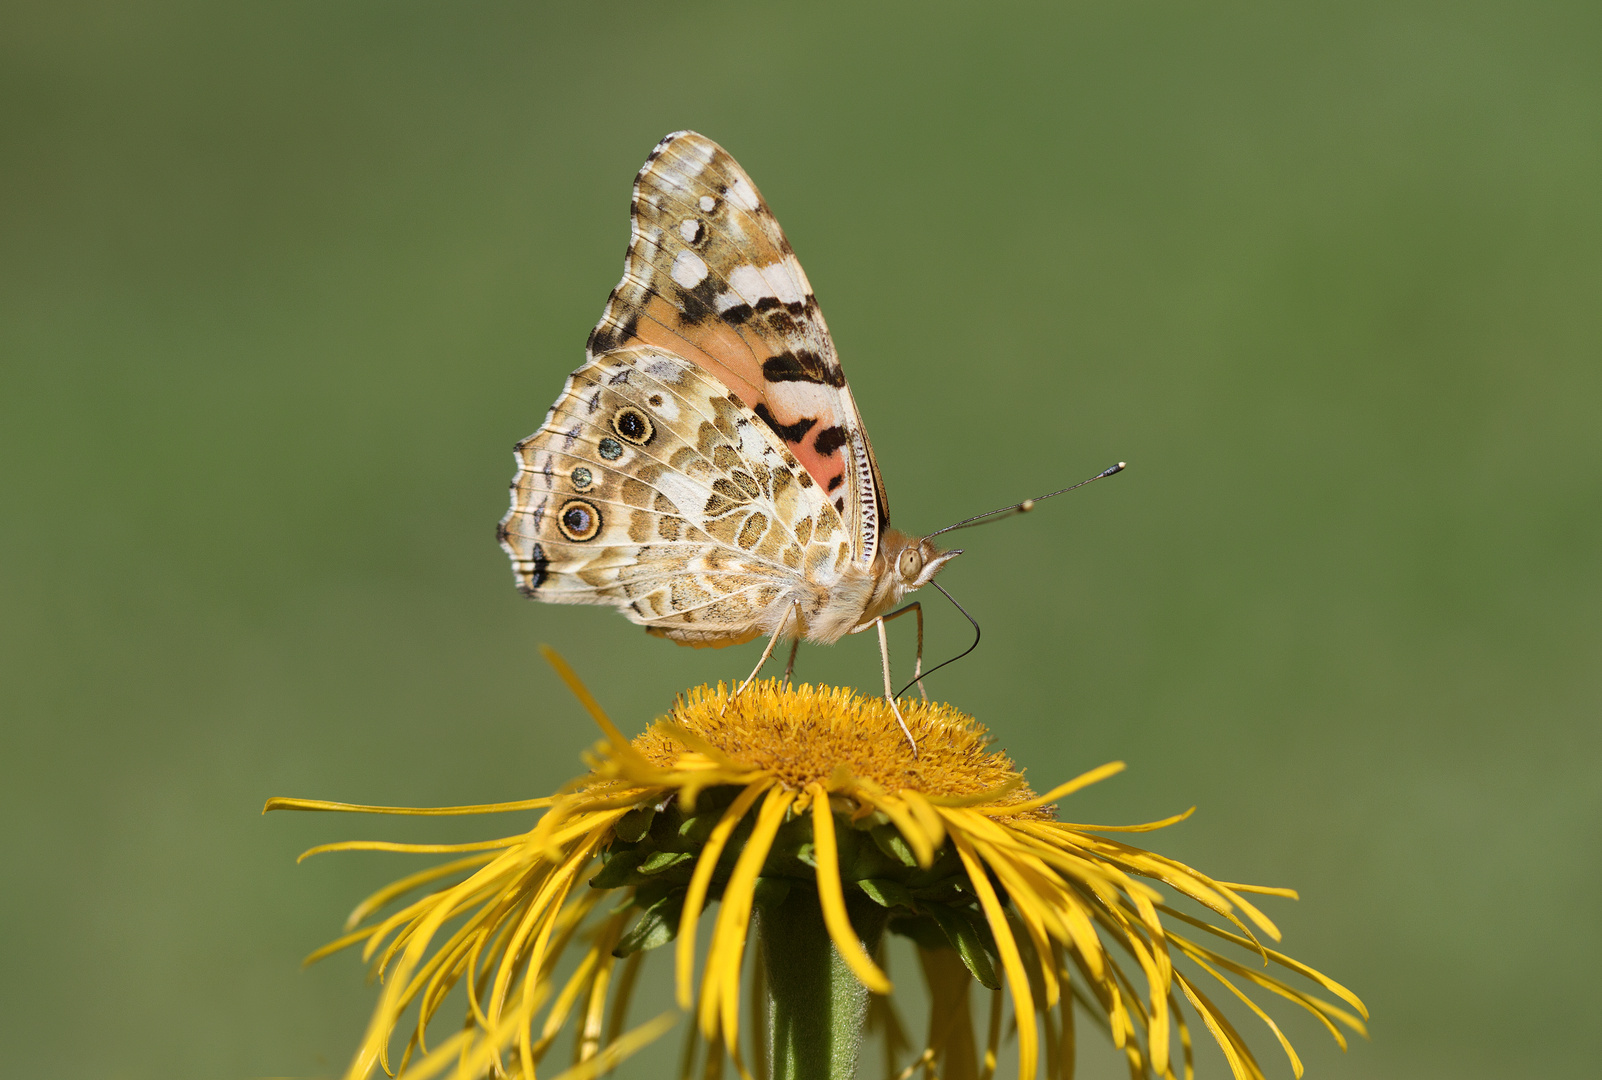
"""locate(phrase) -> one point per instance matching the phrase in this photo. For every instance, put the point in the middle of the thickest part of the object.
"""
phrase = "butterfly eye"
(633, 425)
(911, 564)
(579, 520)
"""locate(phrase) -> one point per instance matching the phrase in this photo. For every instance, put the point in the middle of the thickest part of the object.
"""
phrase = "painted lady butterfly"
(706, 471)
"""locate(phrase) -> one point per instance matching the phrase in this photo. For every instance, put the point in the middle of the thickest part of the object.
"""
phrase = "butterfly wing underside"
(649, 489)
(710, 277)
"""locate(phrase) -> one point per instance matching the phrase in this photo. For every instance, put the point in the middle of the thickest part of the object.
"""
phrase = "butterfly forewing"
(710, 277)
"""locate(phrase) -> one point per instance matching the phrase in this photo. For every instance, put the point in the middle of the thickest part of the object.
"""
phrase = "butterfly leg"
(767, 652)
(889, 686)
(917, 666)
(789, 668)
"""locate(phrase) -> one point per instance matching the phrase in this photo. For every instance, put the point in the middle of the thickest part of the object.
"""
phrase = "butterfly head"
(917, 561)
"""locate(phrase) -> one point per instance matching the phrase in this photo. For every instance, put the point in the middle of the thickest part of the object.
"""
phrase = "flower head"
(804, 806)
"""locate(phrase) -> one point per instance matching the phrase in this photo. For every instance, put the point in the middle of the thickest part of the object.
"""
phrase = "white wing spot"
(753, 444)
(742, 196)
(748, 281)
(708, 203)
(690, 229)
(667, 407)
(688, 270)
(775, 279)
(681, 491)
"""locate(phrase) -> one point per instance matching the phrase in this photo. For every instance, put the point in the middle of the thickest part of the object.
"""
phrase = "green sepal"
(695, 828)
(618, 870)
(633, 826)
(886, 893)
(657, 925)
(658, 861)
(653, 890)
(964, 936)
(941, 892)
(890, 841)
(770, 891)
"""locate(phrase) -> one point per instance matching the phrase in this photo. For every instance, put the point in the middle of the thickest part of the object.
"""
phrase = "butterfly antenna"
(960, 655)
(1021, 508)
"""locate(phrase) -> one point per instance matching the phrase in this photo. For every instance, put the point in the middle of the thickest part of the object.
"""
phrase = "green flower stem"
(816, 1006)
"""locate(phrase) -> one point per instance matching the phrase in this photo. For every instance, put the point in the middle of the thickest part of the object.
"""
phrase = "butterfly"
(706, 472)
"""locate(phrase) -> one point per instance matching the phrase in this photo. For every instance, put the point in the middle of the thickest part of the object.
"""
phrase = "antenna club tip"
(1026, 506)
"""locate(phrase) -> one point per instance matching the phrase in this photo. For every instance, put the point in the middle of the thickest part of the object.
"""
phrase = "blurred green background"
(281, 285)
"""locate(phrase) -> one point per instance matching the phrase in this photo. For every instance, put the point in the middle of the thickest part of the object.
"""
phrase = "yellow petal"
(1147, 826)
(1027, 903)
(832, 898)
(1264, 890)
(1279, 958)
(1240, 1059)
(408, 883)
(700, 880)
(927, 817)
(1061, 791)
(614, 1053)
(720, 998)
(619, 745)
(1023, 1001)
(898, 811)
(414, 811)
(385, 845)
(978, 798)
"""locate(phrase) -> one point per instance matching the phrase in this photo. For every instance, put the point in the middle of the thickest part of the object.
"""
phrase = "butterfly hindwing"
(709, 276)
(648, 488)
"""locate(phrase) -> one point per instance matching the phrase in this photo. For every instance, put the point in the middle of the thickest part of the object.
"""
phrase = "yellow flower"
(805, 807)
